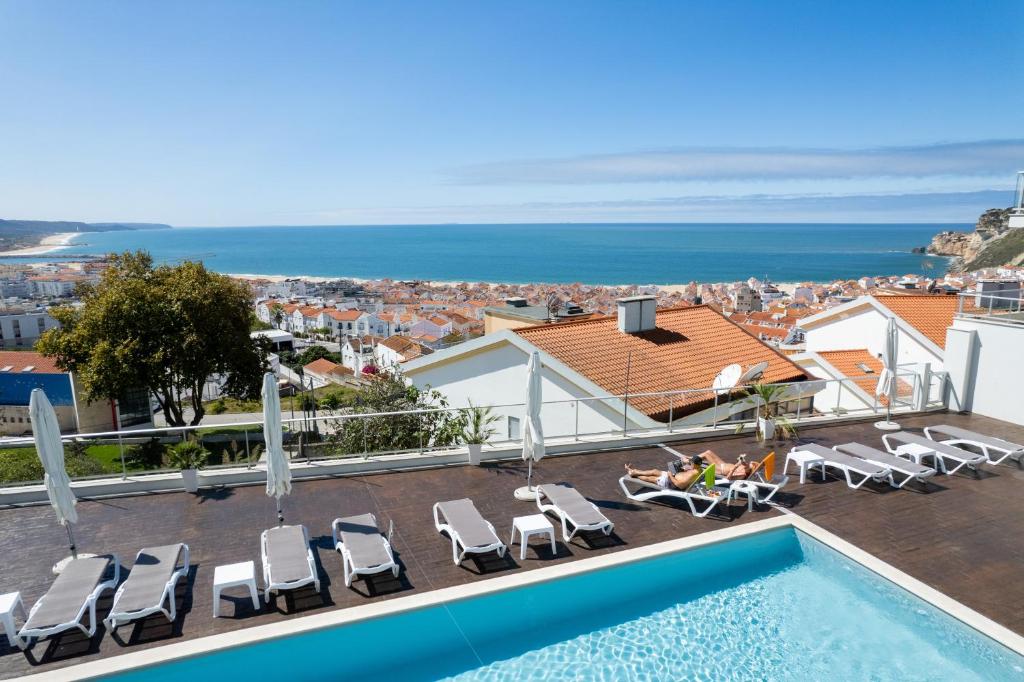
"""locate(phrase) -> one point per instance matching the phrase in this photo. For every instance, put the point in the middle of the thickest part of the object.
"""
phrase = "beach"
(47, 244)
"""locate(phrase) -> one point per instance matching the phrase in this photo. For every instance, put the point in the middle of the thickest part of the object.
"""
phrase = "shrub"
(19, 466)
(147, 455)
(188, 454)
(217, 407)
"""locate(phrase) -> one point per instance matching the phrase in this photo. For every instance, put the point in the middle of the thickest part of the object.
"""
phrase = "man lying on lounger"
(692, 470)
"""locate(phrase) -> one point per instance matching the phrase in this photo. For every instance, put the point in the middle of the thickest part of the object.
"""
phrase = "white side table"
(916, 452)
(743, 488)
(10, 606)
(234, 575)
(535, 524)
(805, 460)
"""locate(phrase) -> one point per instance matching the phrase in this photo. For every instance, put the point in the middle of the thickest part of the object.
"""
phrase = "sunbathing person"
(692, 470)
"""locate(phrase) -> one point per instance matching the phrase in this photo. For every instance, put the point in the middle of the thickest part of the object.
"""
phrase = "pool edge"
(146, 658)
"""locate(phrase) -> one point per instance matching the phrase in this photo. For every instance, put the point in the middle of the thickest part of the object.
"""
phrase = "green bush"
(17, 466)
(217, 407)
(147, 455)
(188, 454)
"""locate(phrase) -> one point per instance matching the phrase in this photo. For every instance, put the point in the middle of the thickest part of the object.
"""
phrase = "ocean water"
(773, 606)
(591, 253)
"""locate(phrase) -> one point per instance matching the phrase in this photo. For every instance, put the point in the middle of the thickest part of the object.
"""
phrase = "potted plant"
(477, 429)
(771, 424)
(189, 456)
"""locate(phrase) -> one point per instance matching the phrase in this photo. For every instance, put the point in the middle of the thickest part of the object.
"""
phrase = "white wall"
(984, 363)
(834, 393)
(865, 328)
(497, 376)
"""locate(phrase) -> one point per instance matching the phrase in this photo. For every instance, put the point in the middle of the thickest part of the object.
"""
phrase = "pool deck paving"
(962, 536)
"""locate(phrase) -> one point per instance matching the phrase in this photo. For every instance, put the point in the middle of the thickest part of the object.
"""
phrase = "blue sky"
(249, 113)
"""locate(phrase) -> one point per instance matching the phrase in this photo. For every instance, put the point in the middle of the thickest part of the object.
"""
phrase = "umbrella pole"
(71, 541)
(280, 514)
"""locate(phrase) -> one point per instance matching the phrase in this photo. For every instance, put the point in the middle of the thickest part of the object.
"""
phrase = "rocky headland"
(991, 244)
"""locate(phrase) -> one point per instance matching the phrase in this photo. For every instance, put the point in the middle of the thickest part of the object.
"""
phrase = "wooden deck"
(962, 537)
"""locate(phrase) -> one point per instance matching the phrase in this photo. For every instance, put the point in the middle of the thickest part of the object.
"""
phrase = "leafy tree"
(314, 353)
(387, 393)
(276, 313)
(166, 328)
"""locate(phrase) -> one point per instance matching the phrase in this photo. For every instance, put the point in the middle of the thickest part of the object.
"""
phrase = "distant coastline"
(47, 244)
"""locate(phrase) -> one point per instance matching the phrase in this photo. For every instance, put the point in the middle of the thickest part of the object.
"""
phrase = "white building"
(21, 328)
(639, 352)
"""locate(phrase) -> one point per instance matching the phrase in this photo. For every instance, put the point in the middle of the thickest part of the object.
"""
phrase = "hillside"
(991, 244)
(21, 233)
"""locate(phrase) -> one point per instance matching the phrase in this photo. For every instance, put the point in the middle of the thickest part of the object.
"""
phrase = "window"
(42, 325)
(17, 329)
(513, 428)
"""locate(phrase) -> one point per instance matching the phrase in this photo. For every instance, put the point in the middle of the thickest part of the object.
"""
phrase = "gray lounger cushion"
(955, 432)
(144, 587)
(69, 591)
(463, 517)
(287, 551)
(941, 448)
(575, 506)
(839, 459)
(886, 458)
(363, 541)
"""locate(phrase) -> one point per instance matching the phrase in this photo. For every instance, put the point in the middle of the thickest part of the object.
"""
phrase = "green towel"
(709, 477)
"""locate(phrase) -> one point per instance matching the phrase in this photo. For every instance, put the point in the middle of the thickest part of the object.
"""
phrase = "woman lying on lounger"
(692, 470)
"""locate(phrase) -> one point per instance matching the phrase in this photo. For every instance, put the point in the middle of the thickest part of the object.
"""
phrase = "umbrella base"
(62, 564)
(526, 493)
(887, 426)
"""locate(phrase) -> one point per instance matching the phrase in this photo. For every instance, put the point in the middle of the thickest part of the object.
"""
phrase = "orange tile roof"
(321, 366)
(847, 361)
(345, 315)
(405, 347)
(689, 347)
(930, 315)
(19, 360)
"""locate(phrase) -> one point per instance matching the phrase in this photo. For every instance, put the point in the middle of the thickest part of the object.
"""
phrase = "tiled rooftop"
(848, 362)
(686, 351)
(961, 536)
(930, 315)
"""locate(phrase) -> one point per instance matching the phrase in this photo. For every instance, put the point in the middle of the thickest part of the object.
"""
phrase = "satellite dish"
(753, 373)
(803, 389)
(727, 378)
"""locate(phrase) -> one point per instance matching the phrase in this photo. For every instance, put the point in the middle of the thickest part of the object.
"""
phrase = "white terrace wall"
(984, 360)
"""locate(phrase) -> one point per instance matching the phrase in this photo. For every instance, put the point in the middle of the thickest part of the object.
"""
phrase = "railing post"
(576, 429)
(714, 413)
(365, 449)
(419, 429)
(248, 453)
(839, 398)
(124, 469)
(799, 403)
(670, 406)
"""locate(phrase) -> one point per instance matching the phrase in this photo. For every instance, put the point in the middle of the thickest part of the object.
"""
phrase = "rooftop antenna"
(727, 379)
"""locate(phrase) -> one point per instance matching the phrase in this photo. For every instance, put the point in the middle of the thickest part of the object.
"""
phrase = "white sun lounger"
(912, 471)
(995, 449)
(150, 586)
(74, 592)
(364, 551)
(851, 467)
(466, 528)
(572, 509)
(917, 447)
(287, 560)
(651, 491)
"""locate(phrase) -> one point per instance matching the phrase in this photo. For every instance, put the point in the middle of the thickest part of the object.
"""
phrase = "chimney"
(516, 302)
(636, 314)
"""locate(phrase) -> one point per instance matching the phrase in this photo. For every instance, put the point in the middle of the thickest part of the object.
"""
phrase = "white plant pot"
(191, 479)
(766, 427)
(474, 452)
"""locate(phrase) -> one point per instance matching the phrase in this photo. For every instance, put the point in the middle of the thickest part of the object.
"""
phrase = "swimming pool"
(776, 604)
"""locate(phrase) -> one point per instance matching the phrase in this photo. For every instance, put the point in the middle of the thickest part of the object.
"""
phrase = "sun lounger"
(364, 551)
(700, 490)
(74, 592)
(287, 560)
(995, 449)
(851, 467)
(150, 585)
(917, 447)
(466, 528)
(573, 509)
(912, 471)
(765, 478)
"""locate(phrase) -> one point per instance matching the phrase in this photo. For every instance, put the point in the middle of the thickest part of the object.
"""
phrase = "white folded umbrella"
(533, 430)
(46, 433)
(886, 385)
(279, 475)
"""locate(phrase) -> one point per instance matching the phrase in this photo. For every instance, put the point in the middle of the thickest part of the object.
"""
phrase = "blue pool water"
(773, 606)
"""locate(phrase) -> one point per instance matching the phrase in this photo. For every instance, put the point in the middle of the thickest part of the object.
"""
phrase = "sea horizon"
(516, 253)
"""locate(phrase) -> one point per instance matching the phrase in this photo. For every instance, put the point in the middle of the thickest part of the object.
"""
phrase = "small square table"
(805, 460)
(235, 575)
(10, 606)
(747, 488)
(535, 524)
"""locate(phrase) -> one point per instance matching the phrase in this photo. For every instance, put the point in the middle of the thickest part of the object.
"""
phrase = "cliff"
(988, 242)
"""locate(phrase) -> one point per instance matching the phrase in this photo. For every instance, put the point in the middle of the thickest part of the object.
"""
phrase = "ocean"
(587, 253)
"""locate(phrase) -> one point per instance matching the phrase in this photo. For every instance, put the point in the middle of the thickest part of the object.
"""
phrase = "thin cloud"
(984, 157)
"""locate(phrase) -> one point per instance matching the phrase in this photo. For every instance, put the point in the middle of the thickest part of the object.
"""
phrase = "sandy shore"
(48, 244)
